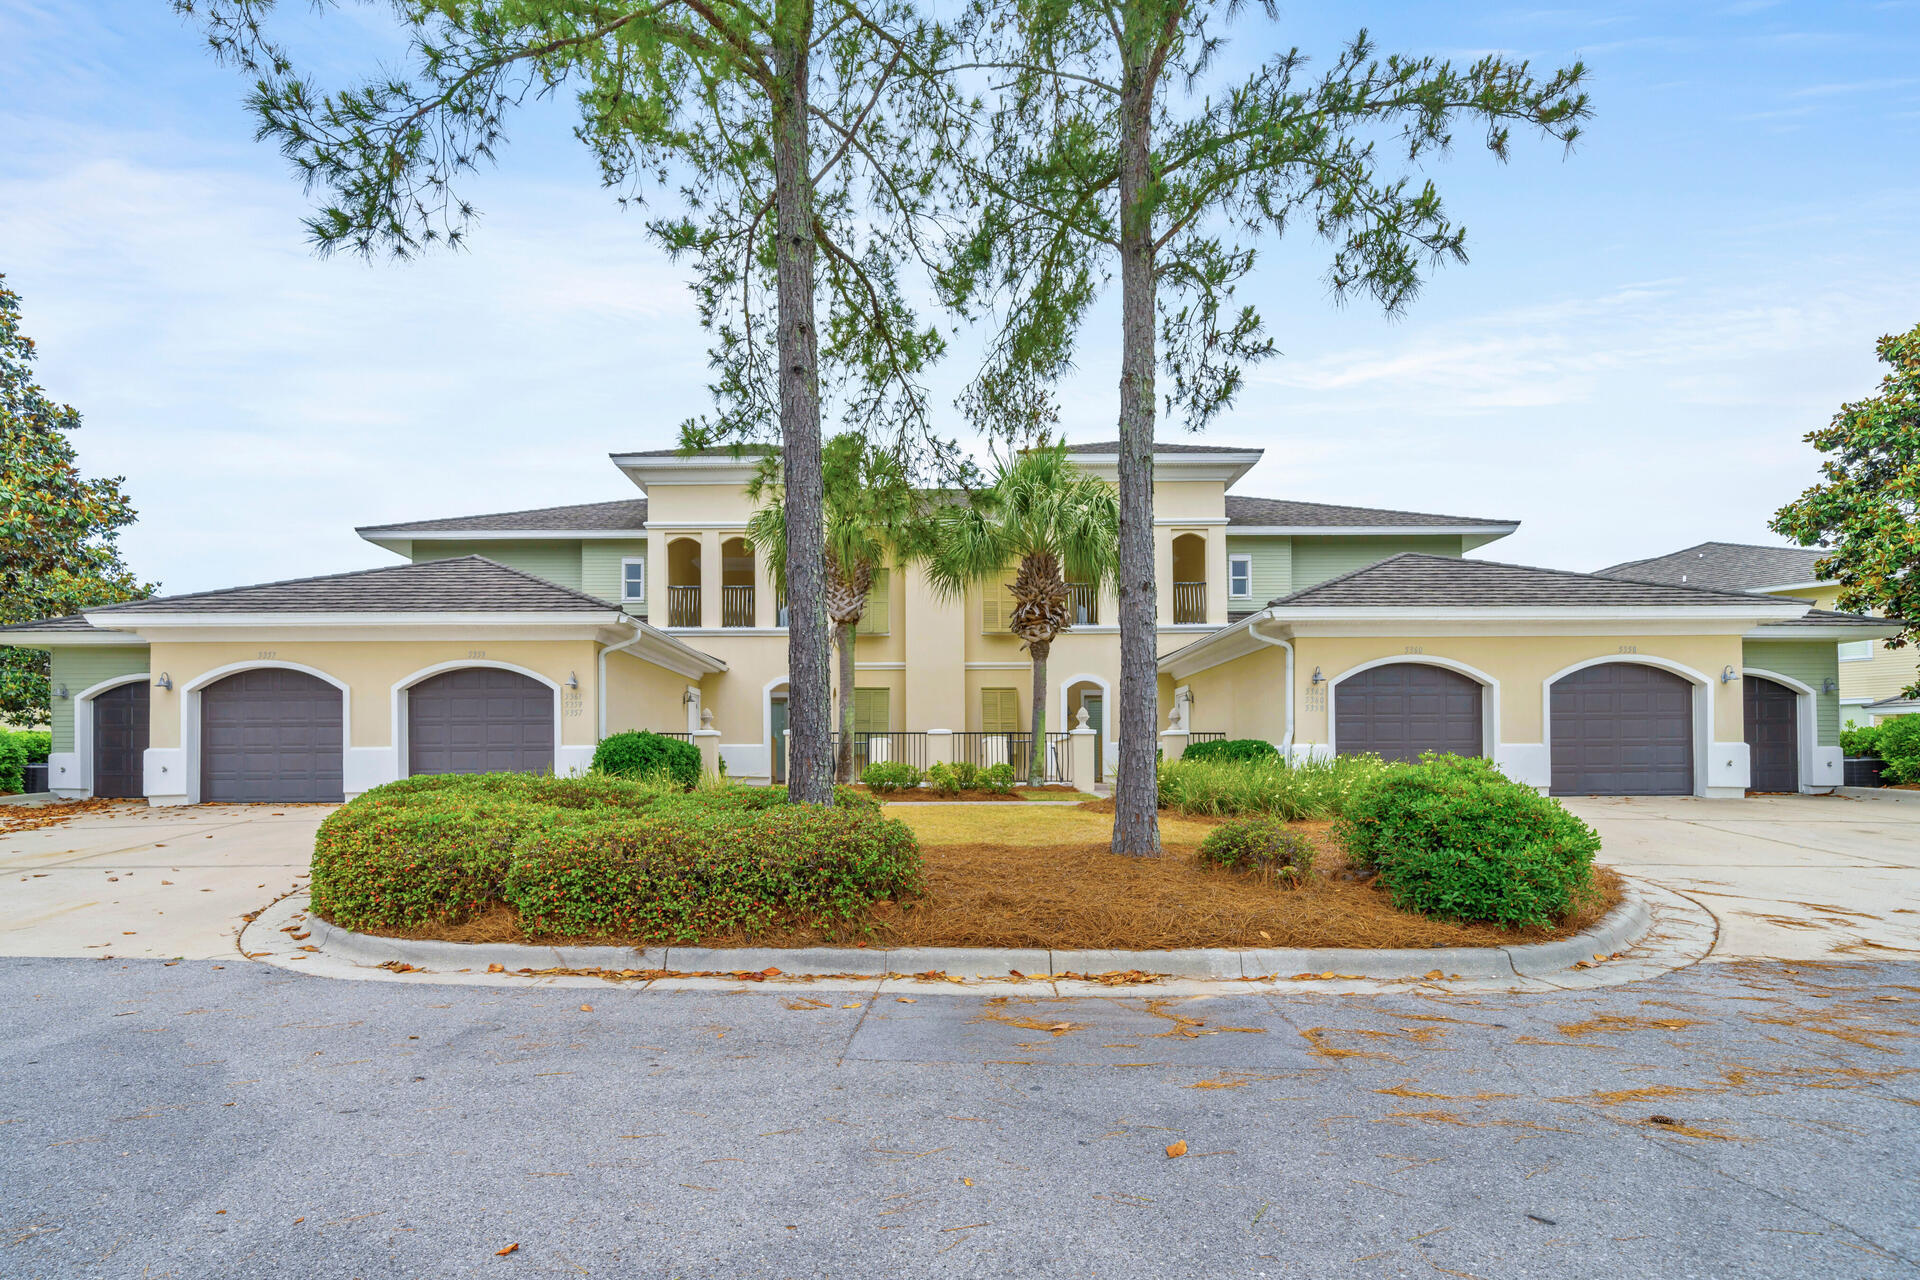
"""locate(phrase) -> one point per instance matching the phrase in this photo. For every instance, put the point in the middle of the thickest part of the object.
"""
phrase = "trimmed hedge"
(1233, 750)
(13, 762)
(1454, 838)
(1261, 844)
(886, 777)
(603, 855)
(645, 755)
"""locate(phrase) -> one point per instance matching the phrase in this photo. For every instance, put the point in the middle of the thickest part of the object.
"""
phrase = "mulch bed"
(1081, 896)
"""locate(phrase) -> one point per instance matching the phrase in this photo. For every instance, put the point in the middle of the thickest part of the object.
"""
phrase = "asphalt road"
(212, 1119)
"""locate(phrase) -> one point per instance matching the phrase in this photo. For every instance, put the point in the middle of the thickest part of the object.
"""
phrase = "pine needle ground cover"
(994, 876)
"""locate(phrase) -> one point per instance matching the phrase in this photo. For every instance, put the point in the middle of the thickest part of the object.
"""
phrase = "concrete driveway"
(1787, 877)
(130, 880)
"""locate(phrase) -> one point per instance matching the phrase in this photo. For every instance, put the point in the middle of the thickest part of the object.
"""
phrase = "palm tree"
(1057, 524)
(873, 514)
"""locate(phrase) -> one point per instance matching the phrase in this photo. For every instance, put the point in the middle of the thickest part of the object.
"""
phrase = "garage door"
(270, 735)
(1404, 708)
(479, 720)
(1622, 729)
(120, 741)
(1773, 735)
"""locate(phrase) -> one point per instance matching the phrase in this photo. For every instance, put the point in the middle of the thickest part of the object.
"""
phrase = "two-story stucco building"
(517, 640)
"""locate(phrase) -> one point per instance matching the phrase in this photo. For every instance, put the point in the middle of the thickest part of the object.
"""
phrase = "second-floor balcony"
(1189, 602)
(683, 606)
(1083, 604)
(736, 606)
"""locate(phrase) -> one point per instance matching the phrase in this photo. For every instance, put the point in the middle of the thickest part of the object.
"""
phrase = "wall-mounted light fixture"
(1316, 677)
(1829, 685)
(1729, 676)
(62, 693)
(573, 681)
(164, 682)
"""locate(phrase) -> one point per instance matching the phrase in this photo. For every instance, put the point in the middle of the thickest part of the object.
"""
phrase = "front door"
(1096, 710)
(1773, 735)
(779, 740)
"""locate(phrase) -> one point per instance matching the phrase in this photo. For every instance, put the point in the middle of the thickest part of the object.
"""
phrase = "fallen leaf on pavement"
(1177, 1150)
(586, 1008)
(501, 1253)
(496, 968)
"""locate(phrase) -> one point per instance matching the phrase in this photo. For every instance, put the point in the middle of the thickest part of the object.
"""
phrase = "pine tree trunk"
(809, 763)
(1136, 819)
(843, 758)
(1039, 651)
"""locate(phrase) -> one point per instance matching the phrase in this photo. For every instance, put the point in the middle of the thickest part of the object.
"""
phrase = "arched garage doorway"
(1400, 710)
(1621, 729)
(1772, 719)
(271, 735)
(480, 720)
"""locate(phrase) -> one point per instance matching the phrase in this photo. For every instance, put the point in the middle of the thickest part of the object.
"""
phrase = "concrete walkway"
(1788, 877)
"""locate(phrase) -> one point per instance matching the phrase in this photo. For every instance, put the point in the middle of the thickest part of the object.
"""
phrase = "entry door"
(779, 739)
(1096, 709)
(1773, 735)
(120, 741)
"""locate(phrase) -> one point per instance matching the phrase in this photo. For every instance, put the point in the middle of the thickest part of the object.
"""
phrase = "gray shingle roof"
(1411, 580)
(1725, 566)
(70, 622)
(1286, 513)
(466, 584)
(1828, 618)
(1162, 446)
(588, 517)
(712, 451)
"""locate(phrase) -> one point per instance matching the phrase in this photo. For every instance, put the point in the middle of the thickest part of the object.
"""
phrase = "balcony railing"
(1189, 602)
(683, 606)
(1016, 749)
(877, 746)
(736, 606)
(1084, 603)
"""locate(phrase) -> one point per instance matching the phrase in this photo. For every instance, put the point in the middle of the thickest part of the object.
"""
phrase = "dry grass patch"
(1046, 879)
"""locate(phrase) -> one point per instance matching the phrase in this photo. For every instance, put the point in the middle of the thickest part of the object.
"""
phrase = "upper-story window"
(1240, 577)
(633, 579)
(1856, 651)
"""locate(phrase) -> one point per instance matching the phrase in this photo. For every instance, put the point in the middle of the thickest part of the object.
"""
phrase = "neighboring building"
(1872, 676)
(517, 640)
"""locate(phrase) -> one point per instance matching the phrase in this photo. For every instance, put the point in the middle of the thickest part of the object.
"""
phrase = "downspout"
(638, 636)
(1286, 738)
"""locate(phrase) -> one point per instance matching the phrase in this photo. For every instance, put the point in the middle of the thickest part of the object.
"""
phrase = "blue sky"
(1645, 331)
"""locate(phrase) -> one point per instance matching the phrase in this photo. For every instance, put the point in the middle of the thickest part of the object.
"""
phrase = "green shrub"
(678, 873)
(1261, 844)
(1304, 790)
(13, 762)
(642, 755)
(859, 801)
(951, 779)
(593, 791)
(997, 778)
(38, 742)
(1232, 749)
(425, 857)
(890, 776)
(1900, 747)
(1454, 838)
(1863, 741)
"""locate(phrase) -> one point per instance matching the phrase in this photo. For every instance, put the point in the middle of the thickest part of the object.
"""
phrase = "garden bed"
(1049, 881)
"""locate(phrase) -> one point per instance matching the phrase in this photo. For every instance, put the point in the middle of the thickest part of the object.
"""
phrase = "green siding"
(1272, 568)
(80, 667)
(556, 560)
(1317, 559)
(600, 568)
(1812, 663)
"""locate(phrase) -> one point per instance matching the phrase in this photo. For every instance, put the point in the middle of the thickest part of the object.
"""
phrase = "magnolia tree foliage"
(1867, 504)
(59, 529)
(1112, 143)
(774, 128)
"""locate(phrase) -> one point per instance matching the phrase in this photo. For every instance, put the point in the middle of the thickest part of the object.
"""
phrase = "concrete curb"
(1621, 929)
(1896, 794)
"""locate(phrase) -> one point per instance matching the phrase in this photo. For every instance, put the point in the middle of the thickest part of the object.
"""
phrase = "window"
(872, 710)
(633, 579)
(1240, 576)
(996, 608)
(1857, 651)
(874, 621)
(1000, 710)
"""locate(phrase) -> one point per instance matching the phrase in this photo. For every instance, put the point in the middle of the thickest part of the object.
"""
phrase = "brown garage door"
(1773, 735)
(120, 741)
(1404, 708)
(479, 720)
(270, 735)
(1622, 729)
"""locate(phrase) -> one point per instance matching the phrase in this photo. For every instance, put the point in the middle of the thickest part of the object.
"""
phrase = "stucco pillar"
(1162, 577)
(934, 686)
(1080, 753)
(707, 738)
(766, 599)
(709, 578)
(1217, 585)
(939, 747)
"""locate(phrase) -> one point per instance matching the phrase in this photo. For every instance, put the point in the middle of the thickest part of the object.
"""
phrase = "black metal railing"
(683, 606)
(1189, 602)
(681, 734)
(1215, 736)
(1084, 602)
(878, 745)
(984, 750)
(736, 606)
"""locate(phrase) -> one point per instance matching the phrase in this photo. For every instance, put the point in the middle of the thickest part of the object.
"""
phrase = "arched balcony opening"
(736, 583)
(1189, 578)
(683, 582)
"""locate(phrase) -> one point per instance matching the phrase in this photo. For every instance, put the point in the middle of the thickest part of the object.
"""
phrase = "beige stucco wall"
(643, 696)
